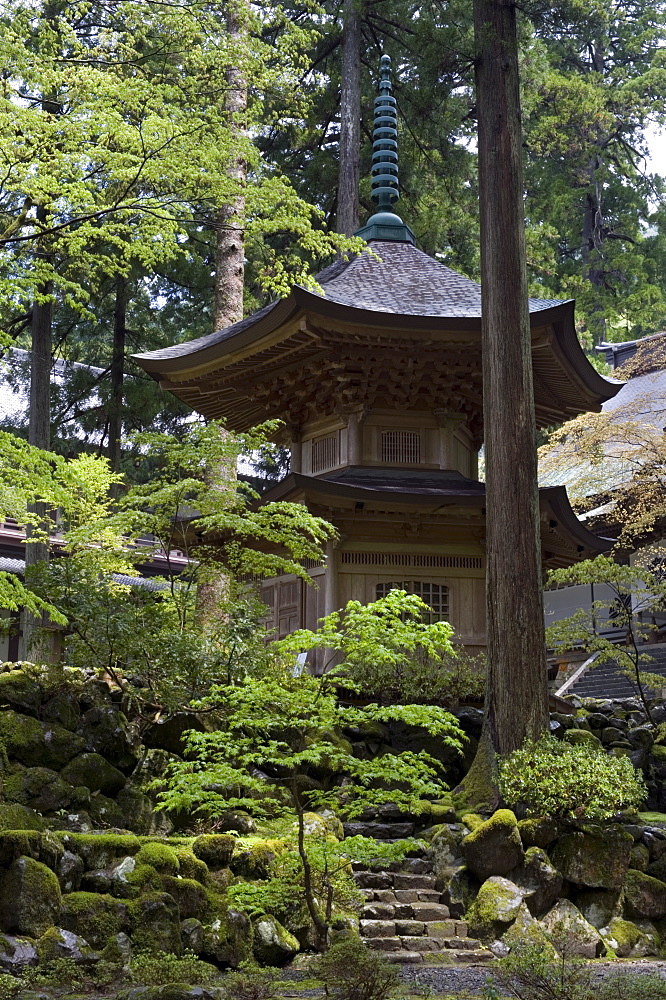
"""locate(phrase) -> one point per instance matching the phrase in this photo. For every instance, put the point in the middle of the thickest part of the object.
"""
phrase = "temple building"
(378, 379)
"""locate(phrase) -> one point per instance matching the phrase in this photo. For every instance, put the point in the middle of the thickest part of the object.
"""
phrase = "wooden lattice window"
(401, 447)
(435, 595)
(325, 452)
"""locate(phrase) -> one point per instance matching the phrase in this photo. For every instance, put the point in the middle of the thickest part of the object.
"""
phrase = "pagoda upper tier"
(391, 328)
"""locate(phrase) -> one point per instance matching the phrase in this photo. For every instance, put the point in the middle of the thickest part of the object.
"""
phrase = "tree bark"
(117, 373)
(230, 251)
(517, 693)
(350, 120)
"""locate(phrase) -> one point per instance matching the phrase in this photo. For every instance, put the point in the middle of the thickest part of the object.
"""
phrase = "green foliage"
(250, 983)
(353, 972)
(149, 969)
(571, 781)
(388, 647)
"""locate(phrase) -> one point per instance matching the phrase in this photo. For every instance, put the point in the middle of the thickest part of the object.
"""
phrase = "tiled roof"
(405, 281)
(400, 481)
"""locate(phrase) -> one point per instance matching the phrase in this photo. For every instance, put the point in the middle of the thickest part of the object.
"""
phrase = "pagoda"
(377, 377)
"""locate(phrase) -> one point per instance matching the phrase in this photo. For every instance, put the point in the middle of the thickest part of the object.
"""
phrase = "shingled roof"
(406, 281)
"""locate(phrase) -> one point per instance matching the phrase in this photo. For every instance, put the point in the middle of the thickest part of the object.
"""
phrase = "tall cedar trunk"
(229, 273)
(517, 698)
(117, 373)
(39, 428)
(350, 120)
(229, 253)
(593, 218)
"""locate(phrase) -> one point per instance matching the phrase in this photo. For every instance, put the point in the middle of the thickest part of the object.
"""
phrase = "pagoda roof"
(388, 295)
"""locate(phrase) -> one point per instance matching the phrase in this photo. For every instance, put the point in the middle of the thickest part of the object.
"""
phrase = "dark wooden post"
(517, 699)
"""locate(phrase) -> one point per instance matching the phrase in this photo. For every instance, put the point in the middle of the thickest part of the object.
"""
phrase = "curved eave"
(553, 502)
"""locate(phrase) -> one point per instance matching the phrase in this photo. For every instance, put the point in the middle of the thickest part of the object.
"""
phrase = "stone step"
(378, 928)
(375, 880)
(378, 911)
(402, 880)
(426, 911)
(462, 944)
(382, 895)
(404, 957)
(390, 944)
(480, 957)
(440, 928)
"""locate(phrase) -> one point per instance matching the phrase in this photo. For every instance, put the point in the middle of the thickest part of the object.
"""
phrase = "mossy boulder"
(95, 772)
(190, 866)
(105, 812)
(43, 847)
(155, 923)
(539, 881)
(526, 930)
(137, 808)
(539, 831)
(59, 943)
(444, 852)
(14, 816)
(161, 857)
(640, 858)
(21, 691)
(472, 821)
(228, 939)
(30, 898)
(236, 820)
(70, 871)
(104, 730)
(144, 878)
(16, 954)
(644, 896)
(99, 850)
(63, 708)
(495, 847)
(215, 849)
(272, 943)
(460, 891)
(168, 733)
(599, 906)
(39, 788)
(94, 916)
(579, 736)
(37, 744)
(192, 935)
(495, 907)
(190, 896)
(598, 858)
(565, 923)
(627, 940)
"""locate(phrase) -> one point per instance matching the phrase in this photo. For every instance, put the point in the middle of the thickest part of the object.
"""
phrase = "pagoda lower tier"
(419, 530)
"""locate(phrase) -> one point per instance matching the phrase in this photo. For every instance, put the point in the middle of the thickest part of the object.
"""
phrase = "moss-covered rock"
(526, 930)
(540, 882)
(155, 923)
(39, 788)
(472, 821)
(60, 943)
(272, 943)
(16, 954)
(627, 941)
(190, 896)
(94, 916)
(598, 858)
(44, 847)
(460, 891)
(495, 847)
(17, 817)
(105, 812)
(599, 906)
(444, 852)
(215, 849)
(168, 733)
(254, 859)
(495, 907)
(21, 691)
(70, 871)
(644, 896)
(565, 923)
(190, 866)
(143, 878)
(29, 898)
(161, 857)
(37, 744)
(640, 858)
(580, 736)
(63, 708)
(192, 935)
(228, 939)
(93, 771)
(104, 730)
(539, 831)
(137, 808)
(99, 850)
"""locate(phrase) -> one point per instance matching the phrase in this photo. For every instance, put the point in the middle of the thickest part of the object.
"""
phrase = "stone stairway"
(605, 681)
(404, 918)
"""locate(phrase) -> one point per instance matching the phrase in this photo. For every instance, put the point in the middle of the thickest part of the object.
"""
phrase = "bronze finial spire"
(385, 224)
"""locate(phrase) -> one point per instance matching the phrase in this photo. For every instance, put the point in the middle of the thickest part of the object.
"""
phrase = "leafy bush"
(531, 972)
(149, 969)
(350, 971)
(250, 983)
(569, 781)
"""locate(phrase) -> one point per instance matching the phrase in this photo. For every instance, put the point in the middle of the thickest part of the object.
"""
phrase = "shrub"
(350, 971)
(149, 969)
(573, 781)
(250, 983)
